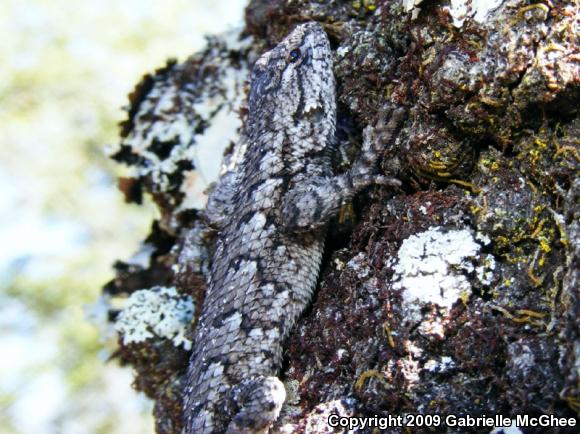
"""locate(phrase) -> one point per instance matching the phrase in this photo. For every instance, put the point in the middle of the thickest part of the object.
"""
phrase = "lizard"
(271, 213)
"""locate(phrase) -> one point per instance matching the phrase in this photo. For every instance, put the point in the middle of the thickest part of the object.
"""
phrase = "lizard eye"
(294, 55)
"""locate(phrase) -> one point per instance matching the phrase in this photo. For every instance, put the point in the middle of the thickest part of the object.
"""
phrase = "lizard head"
(293, 83)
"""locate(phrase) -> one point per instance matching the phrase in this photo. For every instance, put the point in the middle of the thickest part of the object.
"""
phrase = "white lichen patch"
(317, 419)
(478, 9)
(483, 238)
(432, 268)
(485, 271)
(433, 325)
(411, 370)
(408, 366)
(458, 9)
(409, 5)
(521, 357)
(439, 366)
(342, 51)
(412, 367)
(222, 114)
(359, 266)
(193, 122)
(156, 312)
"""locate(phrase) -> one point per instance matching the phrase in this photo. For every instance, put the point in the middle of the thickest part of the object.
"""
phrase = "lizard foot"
(259, 401)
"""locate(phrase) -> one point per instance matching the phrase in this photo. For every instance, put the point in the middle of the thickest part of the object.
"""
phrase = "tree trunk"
(457, 294)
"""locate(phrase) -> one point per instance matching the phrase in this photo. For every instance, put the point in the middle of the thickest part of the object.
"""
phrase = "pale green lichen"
(433, 267)
(156, 312)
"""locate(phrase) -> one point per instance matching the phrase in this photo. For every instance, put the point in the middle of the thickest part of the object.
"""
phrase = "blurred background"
(65, 70)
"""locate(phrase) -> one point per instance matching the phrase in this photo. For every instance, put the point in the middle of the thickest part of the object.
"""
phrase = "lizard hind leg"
(259, 401)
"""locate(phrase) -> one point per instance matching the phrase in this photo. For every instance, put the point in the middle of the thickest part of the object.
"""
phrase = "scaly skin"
(271, 212)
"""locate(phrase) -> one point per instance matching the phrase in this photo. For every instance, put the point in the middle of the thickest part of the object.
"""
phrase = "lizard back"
(264, 269)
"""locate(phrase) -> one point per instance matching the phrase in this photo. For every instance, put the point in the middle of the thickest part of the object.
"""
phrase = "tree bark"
(455, 295)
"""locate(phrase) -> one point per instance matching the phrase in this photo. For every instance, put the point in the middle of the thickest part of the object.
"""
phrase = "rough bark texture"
(486, 223)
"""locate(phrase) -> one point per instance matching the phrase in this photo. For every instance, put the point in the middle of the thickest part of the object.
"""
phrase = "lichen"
(156, 312)
(433, 267)
(181, 119)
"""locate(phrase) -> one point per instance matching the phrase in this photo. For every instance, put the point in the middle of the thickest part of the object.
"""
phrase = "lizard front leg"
(312, 202)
